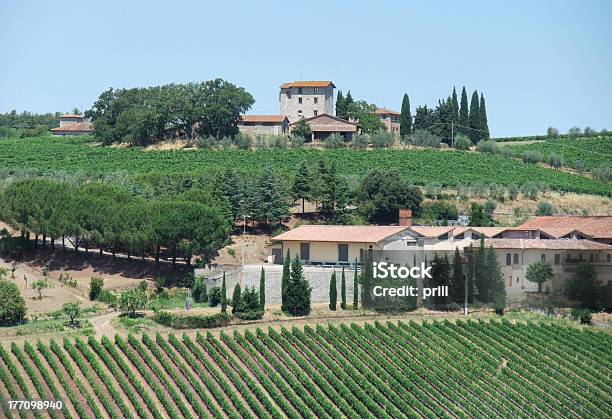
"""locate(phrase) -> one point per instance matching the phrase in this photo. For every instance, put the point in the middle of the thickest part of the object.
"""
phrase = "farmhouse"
(71, 124)
(264, 124)
(596, 228)
(322, 126)
(390, 119)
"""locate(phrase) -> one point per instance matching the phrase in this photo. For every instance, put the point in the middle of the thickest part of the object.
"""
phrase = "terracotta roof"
(337, 233)
(551, 244)
(329, 123)
(75, 127)
(263, 118)
(598, 227)
(431, 231)
(384, 111)
(436, 231)
(322, 83)
(71, 115)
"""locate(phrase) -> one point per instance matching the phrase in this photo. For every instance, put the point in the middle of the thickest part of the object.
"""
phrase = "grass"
(174, 300)
(53, 326)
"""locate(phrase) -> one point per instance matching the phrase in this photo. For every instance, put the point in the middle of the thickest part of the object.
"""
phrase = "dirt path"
(103, 325)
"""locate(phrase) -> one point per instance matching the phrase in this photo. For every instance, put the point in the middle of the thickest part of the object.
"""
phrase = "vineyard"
(593, 152)
(448, 168)
(440, 369)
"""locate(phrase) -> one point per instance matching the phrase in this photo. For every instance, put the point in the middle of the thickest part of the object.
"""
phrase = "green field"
(448, 168)
(463, 370)
(594, 152)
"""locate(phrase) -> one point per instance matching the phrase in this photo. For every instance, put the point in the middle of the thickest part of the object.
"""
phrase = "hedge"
(249, 315)
(179, 321)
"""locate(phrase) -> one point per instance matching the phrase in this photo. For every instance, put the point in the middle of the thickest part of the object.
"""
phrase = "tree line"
(449, 118)
(107, 217)
(368, 122)
(138, 115)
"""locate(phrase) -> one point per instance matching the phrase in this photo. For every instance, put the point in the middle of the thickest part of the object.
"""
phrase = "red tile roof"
(385, 111)
(552, 244)
(599, 227)
(431, 231)
(336, 233)
(263, 118)
(71, 115)
(307, 84)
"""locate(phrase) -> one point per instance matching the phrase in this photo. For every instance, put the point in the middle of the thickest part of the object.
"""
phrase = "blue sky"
(538, 63)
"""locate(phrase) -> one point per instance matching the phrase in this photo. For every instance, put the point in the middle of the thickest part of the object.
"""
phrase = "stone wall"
(291, 106)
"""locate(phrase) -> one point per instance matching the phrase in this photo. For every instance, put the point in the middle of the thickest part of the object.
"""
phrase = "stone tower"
(306, 99)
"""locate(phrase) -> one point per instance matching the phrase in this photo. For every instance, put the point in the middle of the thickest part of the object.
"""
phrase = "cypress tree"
(484, 124)
(333, 292)
(405, 117)
(464, 118)
(497, 283)
(455, 106)
(355, 288)
(366, 282)
(340, 105)
(348, 102)
(343, 291)
(236, 299)
(285, 279)
(481, 277)
(474, 132)
(262, 289)
(457, 287)
(470, 273)
(223, 296)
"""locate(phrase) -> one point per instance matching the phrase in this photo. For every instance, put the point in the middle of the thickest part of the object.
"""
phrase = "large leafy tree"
(364, 113)
(383, 192)
(405, 117)
(301, 128)
(424, 118)
(539, 272)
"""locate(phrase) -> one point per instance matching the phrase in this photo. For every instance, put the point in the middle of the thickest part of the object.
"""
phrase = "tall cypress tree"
(343, 291)
(470, 268)
(236, 299)
(481, 277)
(484, 124)
(348, 102)
(457, 286)
(355, 288)
(333, 292)
(340, 105)
(497, 293)
(474, 131)
(464, 116)
(455, 106)
(285, 279)
(223, 296)
(262, 289)
(298, 291)
(405, 117)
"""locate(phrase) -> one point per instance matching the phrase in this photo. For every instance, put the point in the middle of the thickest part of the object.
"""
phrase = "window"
(288, 95)
(516, 259)
(305, 251)
(609, 257)
(299, 90)
(543, 257)
(316, 91)
(343, 252)
(509, 259)
(300, 100)
(316, 100)
(316, 113)
(592, 257)
(557, 259)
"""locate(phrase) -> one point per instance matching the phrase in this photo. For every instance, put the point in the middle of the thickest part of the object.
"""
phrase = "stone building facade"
(306, 99)
(391, 120)
(263, 124)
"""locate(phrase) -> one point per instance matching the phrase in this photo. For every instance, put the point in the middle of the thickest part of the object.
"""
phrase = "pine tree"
(474, 131)
(297, 294)
(333, 292)
(302, 184)
(405, 117)
(496, 279)
(343, 291)
(340, 106)
(236, 305)
(223, 296)
(457, 287)
(274, 205)
(285, 279)
(355, 288)
(464, 116)
(262, 289)
(455, 107)
(484, 124)
(334, 194)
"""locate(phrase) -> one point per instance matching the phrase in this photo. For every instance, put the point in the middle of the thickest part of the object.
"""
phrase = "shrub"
(142, 286)
(95, 287)
(198, 291)
(132, 301)
(552, 132)
(361, 141)
(506, 152)
(513, 191)
(181, 321)
(279, 141)
(531, 157)
(574, 132)
(487, 146)
(334, 141)
(206, 142)
(602, 173)
(589, 132)
(424, 138)
(250, 300)
(462, 142)
(580, 166)
(530, 190)
(108, 297)
(243, 141)
(489, 207)
(544, 208)
(160, 283)
(296, 141)
(497, 192)
(12, 304)
(382, 139)
(555, 161)
(583, 315)
(250, 315)
(214, 297)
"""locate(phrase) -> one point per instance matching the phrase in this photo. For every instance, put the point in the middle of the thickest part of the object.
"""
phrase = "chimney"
(405, 217)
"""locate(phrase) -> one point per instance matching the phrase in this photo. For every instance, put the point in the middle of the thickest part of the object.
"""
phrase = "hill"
(446, 167)
(442, 369)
